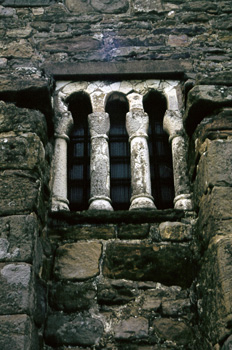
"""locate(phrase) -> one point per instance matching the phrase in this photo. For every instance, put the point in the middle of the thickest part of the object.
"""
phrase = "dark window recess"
(79, 152)
(160, 151)
(120, 175)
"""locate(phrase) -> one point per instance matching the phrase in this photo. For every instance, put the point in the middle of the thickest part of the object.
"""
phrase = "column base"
(183, 202)
(100, 203)
(142, 202)
(59, 203)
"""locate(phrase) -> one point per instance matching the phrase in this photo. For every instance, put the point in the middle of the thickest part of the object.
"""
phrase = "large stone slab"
(21, 152)
(202, 101)
(19, 192)
(170, 263)
(15, 293)
(21, 120)
(215, 214)
(214, 167)
(73, 330)
(215, 289)
(17, 332)
(77, 261)
(173, 330)
(17, 237)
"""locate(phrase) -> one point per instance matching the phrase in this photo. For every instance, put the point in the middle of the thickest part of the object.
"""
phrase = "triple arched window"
(118, 154)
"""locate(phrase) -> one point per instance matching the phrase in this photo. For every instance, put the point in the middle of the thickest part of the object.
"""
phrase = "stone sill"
(115, 217)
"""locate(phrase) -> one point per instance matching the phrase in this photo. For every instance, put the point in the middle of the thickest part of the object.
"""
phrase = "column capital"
(99, 124)
(63, 124)
(137, 123)
(173, 124)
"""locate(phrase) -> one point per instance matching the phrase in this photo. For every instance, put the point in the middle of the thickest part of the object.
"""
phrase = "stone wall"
(138, 281)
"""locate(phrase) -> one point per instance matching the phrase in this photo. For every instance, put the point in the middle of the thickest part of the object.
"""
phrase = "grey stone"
(15, 293)
(132, 328)
(73, 330)
(110, 6)
(71, 297)
(173, 330)
(77, 261)
(17, 238)
(17, 332)
(175, 231)
(228, 344)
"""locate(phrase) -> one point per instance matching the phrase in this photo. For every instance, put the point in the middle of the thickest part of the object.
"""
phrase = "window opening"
(120, 176)
(160, 151)
(79, 152)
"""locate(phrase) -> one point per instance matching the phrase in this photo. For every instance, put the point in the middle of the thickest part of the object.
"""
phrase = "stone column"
(99, 125)
(173, 125)
(63, 125)
(137, 123)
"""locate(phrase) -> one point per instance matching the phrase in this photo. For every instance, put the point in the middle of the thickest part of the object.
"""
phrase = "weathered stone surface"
(79, 232)
(16, 332)
(215, 288)
(176, 308)
(175, 231)
(147, 6)
(165, 263)
(73, 330)
(110, 6)
(214, 167)
(21, 152)
(202, 101)
(71, 297)
(22, 3)
(17, 237)
(19, 192)
(173, 330)
(21, 120)
(78, 6)
(28, 90)
(133, 231)
(132, 328)
(228, 344)
(15, 293)
(215, 214)
(77, 261)
(17, 49)
(115, 292)
(74, 45)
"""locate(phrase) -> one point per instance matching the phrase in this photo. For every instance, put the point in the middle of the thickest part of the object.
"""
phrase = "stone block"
(175, 231)
(132, 328)
(77, 261)
(147, 6)
(175, 308)
(215, 214)
(24, 3)
(115, 292)
(72, 46)
(24, 152)
(72, 330)
(17, 332)
(214, 167)
(202, 101)
(133, 231)
(17, 49)
(15, 293)
(82, 232)
(173, 330)
(19, 192)
(110, 6)
(71, 297)
(170, 263)
(20, 120)
(17, 237)
(215, 289)
(78, 6)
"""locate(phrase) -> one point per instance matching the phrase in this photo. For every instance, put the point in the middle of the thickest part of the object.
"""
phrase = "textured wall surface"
(146, 280)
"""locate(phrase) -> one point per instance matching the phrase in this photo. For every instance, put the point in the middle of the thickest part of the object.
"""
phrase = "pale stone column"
(173, 125)
(137, 122)
(63, 125)
(99, 125)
